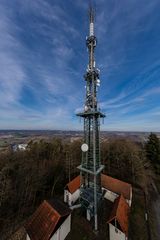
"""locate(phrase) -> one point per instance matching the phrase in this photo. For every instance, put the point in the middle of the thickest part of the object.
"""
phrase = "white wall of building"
(71, 198)
(55, 236)
(22, 146)
(130, 201)
(27, 237)
(115, 233)
(88, 215)
(66, 228)
(111, 196)
(63, 230)
(66, 196)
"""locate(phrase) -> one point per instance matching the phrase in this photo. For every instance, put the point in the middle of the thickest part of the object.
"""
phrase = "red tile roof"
(116, 186)
(46, 219)
(107, 182)
(120, 212)
(73, 185)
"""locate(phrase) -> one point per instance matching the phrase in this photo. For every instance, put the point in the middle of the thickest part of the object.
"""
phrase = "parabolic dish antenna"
(84, 147)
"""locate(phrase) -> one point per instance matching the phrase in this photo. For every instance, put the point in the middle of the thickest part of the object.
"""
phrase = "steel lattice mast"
(90, 168)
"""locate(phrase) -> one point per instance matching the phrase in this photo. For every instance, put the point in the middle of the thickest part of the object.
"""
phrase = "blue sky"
(43, 58)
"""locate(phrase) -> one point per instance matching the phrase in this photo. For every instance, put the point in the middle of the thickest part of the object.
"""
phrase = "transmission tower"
(90, 168)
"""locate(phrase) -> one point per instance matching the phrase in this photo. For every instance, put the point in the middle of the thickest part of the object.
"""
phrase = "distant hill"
(26, 135)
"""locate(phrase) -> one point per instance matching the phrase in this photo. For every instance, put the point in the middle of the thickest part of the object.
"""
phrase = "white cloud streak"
(51, 80)
(12, 76)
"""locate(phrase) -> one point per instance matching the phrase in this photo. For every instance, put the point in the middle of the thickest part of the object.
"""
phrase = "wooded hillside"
(41, 172)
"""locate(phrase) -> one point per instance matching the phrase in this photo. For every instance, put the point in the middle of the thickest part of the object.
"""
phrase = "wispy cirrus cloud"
(14, 76)
(43, 58)
(12, 72)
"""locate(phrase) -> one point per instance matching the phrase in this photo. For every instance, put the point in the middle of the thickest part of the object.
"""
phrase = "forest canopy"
(41, 172)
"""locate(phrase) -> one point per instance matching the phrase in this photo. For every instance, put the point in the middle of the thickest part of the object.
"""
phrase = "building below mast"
(91, 168)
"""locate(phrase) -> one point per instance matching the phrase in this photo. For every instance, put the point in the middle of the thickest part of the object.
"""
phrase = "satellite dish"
(85, 108)
(84, 147)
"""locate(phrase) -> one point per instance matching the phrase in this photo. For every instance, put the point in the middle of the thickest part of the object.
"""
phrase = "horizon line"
(71, 130)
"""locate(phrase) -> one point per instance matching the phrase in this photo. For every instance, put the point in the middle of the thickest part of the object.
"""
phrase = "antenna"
(92, 10)
(91, 168)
